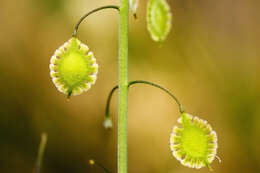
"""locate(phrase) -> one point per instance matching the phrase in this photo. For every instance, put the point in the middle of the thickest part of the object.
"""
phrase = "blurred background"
(210, 61)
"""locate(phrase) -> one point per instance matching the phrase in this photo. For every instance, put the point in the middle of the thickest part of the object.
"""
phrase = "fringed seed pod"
(158, 19)
(73, 68)
(195, 143)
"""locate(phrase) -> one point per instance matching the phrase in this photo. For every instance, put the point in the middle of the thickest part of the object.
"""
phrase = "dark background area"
(210, 61)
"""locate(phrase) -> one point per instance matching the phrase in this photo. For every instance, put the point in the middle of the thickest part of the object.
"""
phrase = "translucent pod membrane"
(195, 143)
(158, 19)
(73, 68)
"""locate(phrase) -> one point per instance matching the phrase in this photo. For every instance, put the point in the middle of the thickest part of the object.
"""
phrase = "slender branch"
(181, 109)
(74, 34)
(109, 100)
(107, 113)
(40, 153)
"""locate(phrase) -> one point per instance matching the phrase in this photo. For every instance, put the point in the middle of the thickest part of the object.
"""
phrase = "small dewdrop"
(195, 143)
(73, 68)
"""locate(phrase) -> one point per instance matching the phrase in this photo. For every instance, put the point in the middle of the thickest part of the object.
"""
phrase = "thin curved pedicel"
(195, 143)
(74, 34)
(158, 19)
(108, 122)
(73, 68)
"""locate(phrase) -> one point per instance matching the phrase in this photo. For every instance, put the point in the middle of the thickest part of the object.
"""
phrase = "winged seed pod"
(73, 68)
(158, 19)
(195, 143)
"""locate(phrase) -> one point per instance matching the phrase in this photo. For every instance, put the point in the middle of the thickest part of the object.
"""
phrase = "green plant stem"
(123, 87)
(40, 153)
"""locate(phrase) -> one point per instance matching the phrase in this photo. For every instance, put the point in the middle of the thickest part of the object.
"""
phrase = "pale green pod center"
(73, 69)
(159, 17)
(194, 142)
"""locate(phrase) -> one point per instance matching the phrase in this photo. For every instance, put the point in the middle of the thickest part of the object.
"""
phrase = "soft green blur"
(210, 61)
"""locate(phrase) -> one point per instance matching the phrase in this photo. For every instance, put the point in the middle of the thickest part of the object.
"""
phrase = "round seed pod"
(195, 143)
(158, 19)
(73, 68)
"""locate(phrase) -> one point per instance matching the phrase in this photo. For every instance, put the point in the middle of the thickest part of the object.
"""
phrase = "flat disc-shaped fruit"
(195, 143)
(73, 68)
(158, 19)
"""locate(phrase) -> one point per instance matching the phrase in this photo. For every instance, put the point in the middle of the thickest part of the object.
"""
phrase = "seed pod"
(133, 6)
(195, 143)
(73, 68)
(158, 19)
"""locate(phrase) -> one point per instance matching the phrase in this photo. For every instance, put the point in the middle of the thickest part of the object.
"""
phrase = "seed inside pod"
(195, 143)
(158, 19)
(73, 68)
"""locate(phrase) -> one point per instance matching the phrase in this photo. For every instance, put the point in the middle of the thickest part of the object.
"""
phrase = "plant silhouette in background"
(42, 146)
(74, 69)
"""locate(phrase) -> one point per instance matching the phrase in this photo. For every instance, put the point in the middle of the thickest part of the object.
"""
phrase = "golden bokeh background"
(210, 61)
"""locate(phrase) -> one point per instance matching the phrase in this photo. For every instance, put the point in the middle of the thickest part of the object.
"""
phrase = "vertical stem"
(123, 87)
